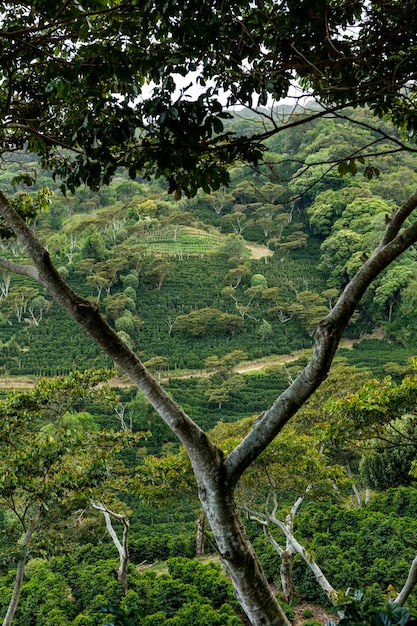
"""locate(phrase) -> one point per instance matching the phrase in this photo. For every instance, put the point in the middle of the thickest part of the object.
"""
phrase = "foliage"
(288, 610)
(119, 617)
(50, 464)
(282, 314)
(27, 206)
(401, 501)
(85, 112)
(354, 611)
(355, 547)
(183, 137)
(192, 594)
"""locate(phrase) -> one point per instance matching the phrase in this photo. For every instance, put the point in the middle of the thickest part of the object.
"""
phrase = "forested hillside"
(178, 279)
(207, 284)
(208, 313)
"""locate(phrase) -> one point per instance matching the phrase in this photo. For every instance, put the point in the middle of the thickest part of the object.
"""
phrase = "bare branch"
(409, 584)
(121, 546)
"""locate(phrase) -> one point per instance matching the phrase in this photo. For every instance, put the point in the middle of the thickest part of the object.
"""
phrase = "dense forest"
(201, 287)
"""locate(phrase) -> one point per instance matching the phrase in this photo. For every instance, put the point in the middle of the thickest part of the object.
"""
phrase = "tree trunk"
(287, 558)
(14, 600)
(309, 560)
(409, 584)
(238, 556)
(287, 583)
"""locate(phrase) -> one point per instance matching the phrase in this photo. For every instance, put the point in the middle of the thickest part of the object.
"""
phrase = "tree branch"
(201, 450)
(409, 584)
(327, 338)
(121, 546)
(18, 268)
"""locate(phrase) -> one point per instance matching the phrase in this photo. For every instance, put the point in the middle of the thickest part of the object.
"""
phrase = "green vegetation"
(155, 189)
(180, 240)
(150, 273)
(158, 285)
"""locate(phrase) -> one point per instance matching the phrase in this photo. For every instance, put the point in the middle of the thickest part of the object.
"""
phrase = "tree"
(291, 547)
(208, 320)
(94, 247)
(293, 464)
(221, 392)
(121, 546)
(379, 420)
(300, 465)
(67, 106)
(388, 292)
(36, 307)
(155, 271)
(71, 79)
(47, 468)
(265, 331)
(216, 473)
(220, 199)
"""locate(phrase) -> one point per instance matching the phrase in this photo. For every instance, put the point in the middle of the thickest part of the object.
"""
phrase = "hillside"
(220, 296)
(243, 268)
(226, 286)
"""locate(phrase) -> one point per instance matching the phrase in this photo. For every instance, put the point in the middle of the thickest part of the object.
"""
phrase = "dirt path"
(23, 382)
(287, 358)
(249, 366)
(258, 251)
(17, 383)
(261, 364)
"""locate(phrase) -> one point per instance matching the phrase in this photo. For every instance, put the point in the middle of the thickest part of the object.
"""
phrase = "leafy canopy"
(148, 85)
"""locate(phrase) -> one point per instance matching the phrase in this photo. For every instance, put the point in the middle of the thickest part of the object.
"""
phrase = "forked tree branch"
(327, 338)
(121, 546)
(202, 452)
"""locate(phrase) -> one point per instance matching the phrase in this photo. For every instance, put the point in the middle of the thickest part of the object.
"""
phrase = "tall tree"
(72, 77)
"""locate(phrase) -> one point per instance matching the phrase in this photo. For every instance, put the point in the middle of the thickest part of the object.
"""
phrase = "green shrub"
(288, 610)
(356, 611)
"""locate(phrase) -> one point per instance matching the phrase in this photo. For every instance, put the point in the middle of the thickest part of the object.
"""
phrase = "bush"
(356, 611)
(208, 579)
(288, 610)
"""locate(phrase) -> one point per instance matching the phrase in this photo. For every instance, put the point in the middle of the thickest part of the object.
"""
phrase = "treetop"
(150, 86)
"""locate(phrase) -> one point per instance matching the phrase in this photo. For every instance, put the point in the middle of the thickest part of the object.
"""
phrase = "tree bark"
(217, 475)
(18, 581)
(287, 582)
(286, 568)
(236, 552)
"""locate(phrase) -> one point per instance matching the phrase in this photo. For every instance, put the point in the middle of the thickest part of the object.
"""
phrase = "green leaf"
(217, 125)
